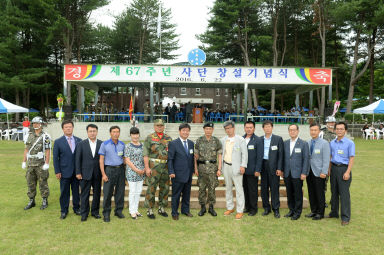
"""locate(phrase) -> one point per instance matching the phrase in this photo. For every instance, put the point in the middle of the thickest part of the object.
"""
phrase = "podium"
(197, 115)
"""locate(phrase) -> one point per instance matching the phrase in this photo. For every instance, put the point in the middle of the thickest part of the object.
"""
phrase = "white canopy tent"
(7, 107)
(376, 107)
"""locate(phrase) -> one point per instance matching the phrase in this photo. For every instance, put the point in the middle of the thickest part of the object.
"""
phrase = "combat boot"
(44, 204)
(212, 211)
(202, 211)
(30, 204)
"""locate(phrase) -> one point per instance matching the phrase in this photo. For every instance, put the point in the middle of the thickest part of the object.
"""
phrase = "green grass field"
(42, 232)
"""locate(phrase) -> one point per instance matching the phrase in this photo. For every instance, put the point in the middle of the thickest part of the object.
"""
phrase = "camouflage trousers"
(207, 181)
(159, 177)
(34, 174)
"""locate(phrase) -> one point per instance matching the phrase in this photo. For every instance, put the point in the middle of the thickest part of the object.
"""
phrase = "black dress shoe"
(317, 217)
(151, 216)
(252, 213)
(107, 219)
(63, 216)
(84, 218)
(30, 204)
(175, 217)
(276, 214)
(246, 210)
(212, 211)
(119, 215)
(266, 212)
(310, 215)
(295, 217)
(331, 216)
(164, 214)
(188, 214)
(77, 212)
(289, 214)
(96, 216)
(203, 210)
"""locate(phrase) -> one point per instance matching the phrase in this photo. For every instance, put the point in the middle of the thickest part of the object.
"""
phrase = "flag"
(336, 108)
(159, 23)
(130, 109)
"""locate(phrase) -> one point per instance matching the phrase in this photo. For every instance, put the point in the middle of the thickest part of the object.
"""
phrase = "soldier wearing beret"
(208, 150)
(155, 154)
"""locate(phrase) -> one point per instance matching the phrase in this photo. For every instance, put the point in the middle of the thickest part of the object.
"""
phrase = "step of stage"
(220, 191)
(194, 202)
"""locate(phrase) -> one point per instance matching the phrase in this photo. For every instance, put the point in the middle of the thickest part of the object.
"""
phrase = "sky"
(190, 16)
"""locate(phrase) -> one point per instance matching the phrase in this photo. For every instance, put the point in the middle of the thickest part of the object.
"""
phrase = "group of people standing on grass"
(161, 161)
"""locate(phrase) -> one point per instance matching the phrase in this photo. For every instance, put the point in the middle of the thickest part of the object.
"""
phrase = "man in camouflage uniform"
(36, 156)
(155, 153)
(147, 110)
(208, 150)
(329, 135)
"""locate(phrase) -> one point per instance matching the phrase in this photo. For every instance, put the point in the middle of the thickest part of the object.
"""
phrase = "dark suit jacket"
(296, 163)
(63, 158)
(85, 163)
(255, 155)
(179, 163)
(276, 153)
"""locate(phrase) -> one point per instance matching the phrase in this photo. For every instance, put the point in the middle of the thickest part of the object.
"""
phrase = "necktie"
(312, 146)
(185, 147)
(70, 143)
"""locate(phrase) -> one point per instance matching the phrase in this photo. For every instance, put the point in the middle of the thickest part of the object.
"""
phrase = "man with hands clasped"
(319, 152)
(235, 158)
(296, 164)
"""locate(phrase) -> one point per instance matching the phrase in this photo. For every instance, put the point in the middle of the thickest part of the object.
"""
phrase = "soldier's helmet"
(330, 119)
(37, 120)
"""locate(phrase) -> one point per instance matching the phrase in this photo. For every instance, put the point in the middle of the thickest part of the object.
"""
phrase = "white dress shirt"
(292, 145)
(182, 141)
(93, 146)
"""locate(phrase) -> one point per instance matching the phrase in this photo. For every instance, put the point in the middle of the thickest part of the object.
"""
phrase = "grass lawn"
(42, 232)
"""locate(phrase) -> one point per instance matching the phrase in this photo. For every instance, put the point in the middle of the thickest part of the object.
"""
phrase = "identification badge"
(297, 150)
(120, 154)
(340, 152)
(274, 148)
(317, 151)
(191, 151)
(251, 147)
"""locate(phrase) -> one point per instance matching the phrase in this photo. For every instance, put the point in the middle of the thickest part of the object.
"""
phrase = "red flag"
(130, 109)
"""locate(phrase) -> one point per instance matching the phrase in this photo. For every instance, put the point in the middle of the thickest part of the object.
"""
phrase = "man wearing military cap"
(36, 161)
(208, 150)
(155, 154)
(329, 130)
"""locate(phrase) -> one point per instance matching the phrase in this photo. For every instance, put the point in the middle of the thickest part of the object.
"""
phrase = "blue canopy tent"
(33, 110)
(376, 107)
(7, 107)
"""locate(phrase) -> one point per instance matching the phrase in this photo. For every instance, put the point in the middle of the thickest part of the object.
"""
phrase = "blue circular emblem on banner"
(196, 57)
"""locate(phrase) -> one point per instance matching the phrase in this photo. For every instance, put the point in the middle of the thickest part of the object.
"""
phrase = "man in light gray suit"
(235, 159)
(319, 163)
(296, 167)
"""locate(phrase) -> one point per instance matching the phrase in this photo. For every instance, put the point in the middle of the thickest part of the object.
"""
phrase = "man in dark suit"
(252, 172)
(296, 168)
(271, 170)
(173, 112)
(64, 164)
(88, 172)
(180, 169)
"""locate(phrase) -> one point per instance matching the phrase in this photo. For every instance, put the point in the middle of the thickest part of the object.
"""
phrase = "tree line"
(38, 37)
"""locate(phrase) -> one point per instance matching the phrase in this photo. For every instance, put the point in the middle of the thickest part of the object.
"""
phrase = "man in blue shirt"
(112, 169)
(342, 159)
